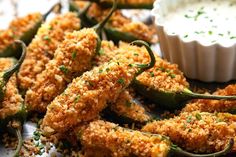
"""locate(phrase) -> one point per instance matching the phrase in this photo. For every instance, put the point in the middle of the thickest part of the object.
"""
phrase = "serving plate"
(29, 127)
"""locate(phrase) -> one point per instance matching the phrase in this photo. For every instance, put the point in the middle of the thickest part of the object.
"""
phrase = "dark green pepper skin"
(166, 100)
(173, 100)
(125, 6)
(112, 33)
(120, 119)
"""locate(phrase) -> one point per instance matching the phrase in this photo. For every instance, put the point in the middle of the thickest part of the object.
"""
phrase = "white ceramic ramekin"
(213, 63)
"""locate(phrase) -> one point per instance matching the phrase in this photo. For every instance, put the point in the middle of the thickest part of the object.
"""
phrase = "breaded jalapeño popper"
(119, 142)
(90, 93)
(196, 131)
(24, 29)
(214, 105)
(125, 109)
(73, 57)
(6, 74)
(12, 109)
(43, 46)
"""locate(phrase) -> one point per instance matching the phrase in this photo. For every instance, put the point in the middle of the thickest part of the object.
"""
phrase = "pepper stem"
(144, 67)
(98, 28)
(191, 94)
(51, 9)
(228, 148)
(9, 72)
(20, 142)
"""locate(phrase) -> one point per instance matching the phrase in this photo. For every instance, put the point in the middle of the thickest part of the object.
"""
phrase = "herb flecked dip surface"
(207, 21)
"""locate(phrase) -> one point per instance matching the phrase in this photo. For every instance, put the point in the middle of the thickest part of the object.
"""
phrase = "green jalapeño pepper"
(12, 110)
(23, 29)
(119, 141)
(173, 100)
(6, 75)
(118, 32)
(126, 4)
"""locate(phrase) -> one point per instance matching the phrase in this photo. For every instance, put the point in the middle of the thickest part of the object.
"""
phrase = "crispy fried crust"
(214, 105)
(73, 57)
(164, 76)
(87, 95)
(17, 28)
(120, 142)
(199, 132)
(126, 106)
(43, 46)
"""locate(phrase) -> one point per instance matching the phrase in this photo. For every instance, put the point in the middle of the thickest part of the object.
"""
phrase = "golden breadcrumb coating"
(72, 57)
(200, 132)
(127, 107)
(22, 24)
(164, 76)
(119, 142)
(17, 28)
(43, 46)
(214, 105)
(12, 101)
(88, 95)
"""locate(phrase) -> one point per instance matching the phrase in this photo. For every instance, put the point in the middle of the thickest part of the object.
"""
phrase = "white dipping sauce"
(207, 21)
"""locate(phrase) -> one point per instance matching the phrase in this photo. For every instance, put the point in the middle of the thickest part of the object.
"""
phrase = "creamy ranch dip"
(207, 21)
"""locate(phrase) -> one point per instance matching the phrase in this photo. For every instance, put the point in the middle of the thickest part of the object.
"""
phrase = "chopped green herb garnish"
(63, 69)
(152, 74)
(233, 37)
(128, 103)
(220, 34)
(74, 55)
(121, 81)
(50, 27)
(101, 52)
(107, 69)
(46, 37)
(172, 75)
(100, 71)
(186, 36)
(77, 98)
(198, 116)
(187, 16)
(162, 69)
(36, 135)
(210, 32)
(131, 65)
(189, 119)
(135, 54)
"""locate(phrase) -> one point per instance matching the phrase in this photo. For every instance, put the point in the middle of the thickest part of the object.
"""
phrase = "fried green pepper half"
(119, 141)
(119, 28)
(23, 29)
(12, 110)
(90, 93)
(6, 74)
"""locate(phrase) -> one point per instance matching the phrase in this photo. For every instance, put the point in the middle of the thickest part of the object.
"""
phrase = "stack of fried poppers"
(86, 87)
